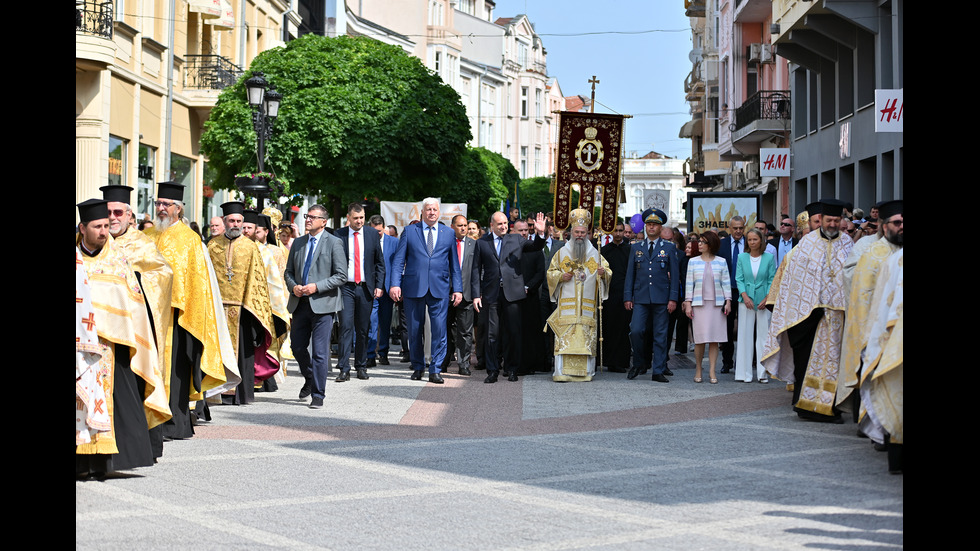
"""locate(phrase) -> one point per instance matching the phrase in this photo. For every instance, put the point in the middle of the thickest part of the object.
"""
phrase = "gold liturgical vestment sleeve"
(156, 279)
(121, 318)
(242, 282)
(193, 296)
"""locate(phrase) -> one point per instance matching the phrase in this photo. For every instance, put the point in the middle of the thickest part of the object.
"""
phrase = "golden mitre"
(580, 217)
(274, 214)
(803, 221)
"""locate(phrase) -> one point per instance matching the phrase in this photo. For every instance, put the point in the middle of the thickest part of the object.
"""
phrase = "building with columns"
(146, 80)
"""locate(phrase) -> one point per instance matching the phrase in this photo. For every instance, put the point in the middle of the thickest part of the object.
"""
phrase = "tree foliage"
(482, 183)
(358, 119)
(535, 196)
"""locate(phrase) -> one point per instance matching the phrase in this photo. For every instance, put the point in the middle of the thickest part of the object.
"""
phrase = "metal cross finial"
(592, 81)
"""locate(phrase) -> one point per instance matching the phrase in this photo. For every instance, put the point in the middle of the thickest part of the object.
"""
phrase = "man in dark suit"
(650, 292)
(615, 317)
(380, 332)
(365, 278)
(532, 338)
(731, 247)
(315, 271)
(551, 246)
(498, 288)
(425, 271)
(784, 242)
(460, 322)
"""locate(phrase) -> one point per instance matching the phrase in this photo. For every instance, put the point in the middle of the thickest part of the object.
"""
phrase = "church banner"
(589, 154)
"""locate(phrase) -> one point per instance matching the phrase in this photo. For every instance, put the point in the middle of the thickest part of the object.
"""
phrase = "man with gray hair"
(578, 280)
(198, 323)
(425, 272)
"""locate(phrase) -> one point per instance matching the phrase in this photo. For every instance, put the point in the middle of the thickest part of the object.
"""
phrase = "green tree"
(482, 183)
(535, 196)
(358, 119)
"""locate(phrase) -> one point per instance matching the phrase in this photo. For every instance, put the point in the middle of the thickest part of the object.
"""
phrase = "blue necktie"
(735, 254)
(309, 256)
(430, 244)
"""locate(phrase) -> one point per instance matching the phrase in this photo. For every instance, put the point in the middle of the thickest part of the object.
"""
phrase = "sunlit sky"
(637, 49)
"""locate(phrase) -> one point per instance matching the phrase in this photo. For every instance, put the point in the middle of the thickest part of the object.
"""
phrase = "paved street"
(391, 463)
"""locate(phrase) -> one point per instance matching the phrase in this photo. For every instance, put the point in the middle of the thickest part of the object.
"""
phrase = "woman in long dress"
(754, 270)
(707, 301)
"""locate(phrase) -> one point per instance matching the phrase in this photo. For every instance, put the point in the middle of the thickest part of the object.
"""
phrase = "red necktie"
(459, 251)
(357, 261)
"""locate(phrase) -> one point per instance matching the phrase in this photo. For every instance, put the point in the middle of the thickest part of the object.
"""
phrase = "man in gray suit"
(461, 316)
(315, 271)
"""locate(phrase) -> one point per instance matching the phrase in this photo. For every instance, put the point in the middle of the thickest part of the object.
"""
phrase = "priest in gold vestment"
(883, 374)
(275, 266)
(245, 296)
(578, 280)
(805, 334)
(128, 369)
(202, 358)
(862, 289)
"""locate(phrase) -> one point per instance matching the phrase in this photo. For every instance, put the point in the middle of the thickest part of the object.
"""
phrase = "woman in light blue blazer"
(754, 271)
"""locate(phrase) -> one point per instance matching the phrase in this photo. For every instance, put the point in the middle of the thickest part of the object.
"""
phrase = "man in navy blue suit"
(425, 272)
(650, 292)
(380, 332)
(498, 292)
(730, 248)
(365, 279)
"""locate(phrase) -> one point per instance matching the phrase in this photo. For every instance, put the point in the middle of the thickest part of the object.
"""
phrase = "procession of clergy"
(167, 326)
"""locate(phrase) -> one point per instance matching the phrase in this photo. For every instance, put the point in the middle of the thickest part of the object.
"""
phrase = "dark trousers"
(501, 326)
(649, 317)
(380, 332)
(460, 334)
(355, 320)
(616, 334)
(308, 325)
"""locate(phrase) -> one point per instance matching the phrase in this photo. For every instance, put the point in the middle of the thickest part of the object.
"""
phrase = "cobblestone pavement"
(391, 463)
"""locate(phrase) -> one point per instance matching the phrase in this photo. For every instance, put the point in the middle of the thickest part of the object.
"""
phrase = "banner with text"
(401, 213)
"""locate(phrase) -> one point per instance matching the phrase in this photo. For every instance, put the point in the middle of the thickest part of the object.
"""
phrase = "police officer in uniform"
(650, 292)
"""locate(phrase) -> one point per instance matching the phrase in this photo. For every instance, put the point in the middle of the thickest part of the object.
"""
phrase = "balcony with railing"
(94, 18)
(94, 48)
(761, 115)
(210, 72)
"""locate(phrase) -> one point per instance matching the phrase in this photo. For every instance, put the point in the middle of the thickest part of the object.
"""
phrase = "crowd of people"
(172, 325)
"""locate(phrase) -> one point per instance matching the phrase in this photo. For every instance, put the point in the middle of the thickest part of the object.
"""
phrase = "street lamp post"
(264, 100)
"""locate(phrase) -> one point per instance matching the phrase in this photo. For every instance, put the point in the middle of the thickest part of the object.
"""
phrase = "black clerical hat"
(233, 207)
(93, 209)
(116, 194)
(170, 190)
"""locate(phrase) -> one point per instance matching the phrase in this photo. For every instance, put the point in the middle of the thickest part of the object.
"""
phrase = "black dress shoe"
(362, 373)
(306, 390)
(668, 372)
(383, 361)
(513, 377)
(661, 379)
(404, 359)
(343, 377)
(633, 373)
(416, 375)
(491, 378)
(726, 369)
(465, 371)
(506, 373)
(316, 403)
(371, 363)
(436, 378)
